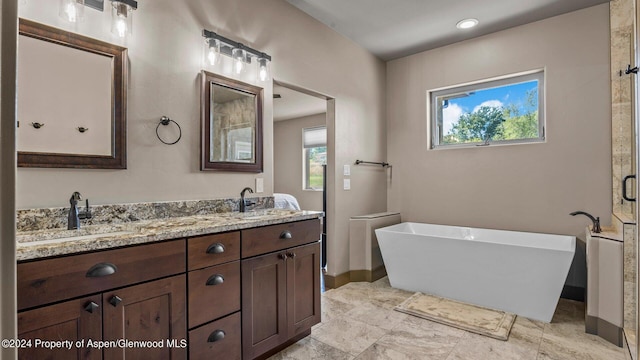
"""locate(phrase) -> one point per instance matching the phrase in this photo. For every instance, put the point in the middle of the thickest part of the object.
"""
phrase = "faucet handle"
(86, 214)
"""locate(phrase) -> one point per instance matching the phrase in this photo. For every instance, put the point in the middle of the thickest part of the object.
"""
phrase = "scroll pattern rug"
(493, 323)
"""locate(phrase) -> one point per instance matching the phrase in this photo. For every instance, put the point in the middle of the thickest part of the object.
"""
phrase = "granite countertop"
(53, 242)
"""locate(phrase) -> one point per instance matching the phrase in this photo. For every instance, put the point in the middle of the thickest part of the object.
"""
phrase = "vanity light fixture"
(121, 16)
(241, 54)
(72, 10)
(467, 23)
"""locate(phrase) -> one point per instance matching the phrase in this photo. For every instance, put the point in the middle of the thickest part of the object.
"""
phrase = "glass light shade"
(121, 19)
(72, 10)
(239, 57)
(264, 73)
(213, 53)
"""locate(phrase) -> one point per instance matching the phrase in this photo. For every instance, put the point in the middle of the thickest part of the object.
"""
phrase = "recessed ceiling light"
(467, 23)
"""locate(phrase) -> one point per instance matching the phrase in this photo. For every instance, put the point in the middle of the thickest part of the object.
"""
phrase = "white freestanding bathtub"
(518, 272)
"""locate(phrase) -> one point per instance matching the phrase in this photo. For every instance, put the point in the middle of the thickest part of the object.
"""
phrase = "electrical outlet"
(259, 185)
(347, 184)
(347, 170)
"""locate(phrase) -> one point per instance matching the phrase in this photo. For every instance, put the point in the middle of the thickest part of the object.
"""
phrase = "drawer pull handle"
(285, 235)
(216, 279)
(282, 256)
(91, 307)
(216, 248)
(115, 300)
(216, 336)
(102, 269)
(291, 255)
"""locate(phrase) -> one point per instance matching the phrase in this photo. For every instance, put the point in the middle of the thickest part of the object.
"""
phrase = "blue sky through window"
(495, 97)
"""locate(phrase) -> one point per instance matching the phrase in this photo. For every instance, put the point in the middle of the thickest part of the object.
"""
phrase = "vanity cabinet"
(129, 302)
(280, 288)
(242, 294)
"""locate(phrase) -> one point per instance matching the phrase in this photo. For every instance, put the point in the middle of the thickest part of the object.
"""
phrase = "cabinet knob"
(291, 254)
(285, 235)
(216, 336)
(91, 307)
(216, 248)
(216, 279)
(115, 300)
(102, 269)
(282, 256)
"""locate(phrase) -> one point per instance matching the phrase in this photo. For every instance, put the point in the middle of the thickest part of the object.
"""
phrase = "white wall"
(165, 57)
(288, 160)
(521, 187)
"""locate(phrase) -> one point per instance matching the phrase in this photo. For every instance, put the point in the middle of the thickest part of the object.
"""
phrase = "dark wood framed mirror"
(72, 100)
(231, 125)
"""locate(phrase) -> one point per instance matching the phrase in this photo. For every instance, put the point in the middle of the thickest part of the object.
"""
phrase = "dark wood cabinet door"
(75, 320)
(149, 312)
(303, 288)
(264, 317)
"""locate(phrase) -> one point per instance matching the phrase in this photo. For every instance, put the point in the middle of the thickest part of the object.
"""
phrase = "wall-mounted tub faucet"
(243, 203)
(75, 216)
(596, 220)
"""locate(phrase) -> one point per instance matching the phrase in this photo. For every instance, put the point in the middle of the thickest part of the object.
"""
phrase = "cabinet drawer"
(277, 237)
(209, 250)
(50, 280)
(213, 292)
(219, 340)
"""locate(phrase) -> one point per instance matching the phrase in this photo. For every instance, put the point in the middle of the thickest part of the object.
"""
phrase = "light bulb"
(214, 51)
(121, 15)
(72, 10)
(238, 60)
(263, 68)
(121, 26)
(71, 13)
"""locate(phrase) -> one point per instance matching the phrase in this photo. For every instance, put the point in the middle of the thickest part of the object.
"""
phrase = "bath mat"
(493, 323)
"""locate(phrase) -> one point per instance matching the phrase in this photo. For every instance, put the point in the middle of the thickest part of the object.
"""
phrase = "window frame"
(305, 157)
(435, 123)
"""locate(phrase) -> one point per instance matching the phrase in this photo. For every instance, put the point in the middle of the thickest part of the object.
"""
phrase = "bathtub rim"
(570, 245)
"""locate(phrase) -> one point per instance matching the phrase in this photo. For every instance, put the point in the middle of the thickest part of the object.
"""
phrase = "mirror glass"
(231, 125)
(71, 100)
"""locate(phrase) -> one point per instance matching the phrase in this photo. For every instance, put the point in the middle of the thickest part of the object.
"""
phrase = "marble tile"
(523, 343)
(347, 330)
(416, 339)
(333, 309)
(311, 349)
(347, 335)
(377, 316)
(380, 294)
(565, 338)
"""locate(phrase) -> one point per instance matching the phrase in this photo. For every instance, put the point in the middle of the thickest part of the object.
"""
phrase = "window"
(314, 155)
(496, 111)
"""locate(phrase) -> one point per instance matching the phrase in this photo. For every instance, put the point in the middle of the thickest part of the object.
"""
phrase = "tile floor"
(358, 322)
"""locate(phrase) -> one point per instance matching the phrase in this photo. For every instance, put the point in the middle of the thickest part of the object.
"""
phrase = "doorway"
(303, 150)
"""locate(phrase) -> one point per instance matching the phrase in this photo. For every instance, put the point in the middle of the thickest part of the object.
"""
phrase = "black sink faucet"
(596, 220)
(75, 216)
(243, 204)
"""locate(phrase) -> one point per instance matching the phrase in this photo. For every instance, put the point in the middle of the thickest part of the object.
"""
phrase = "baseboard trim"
(606, 330)
(333, 282)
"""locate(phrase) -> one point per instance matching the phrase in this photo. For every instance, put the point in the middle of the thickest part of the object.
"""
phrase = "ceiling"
(395, 28)
(293, 104)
